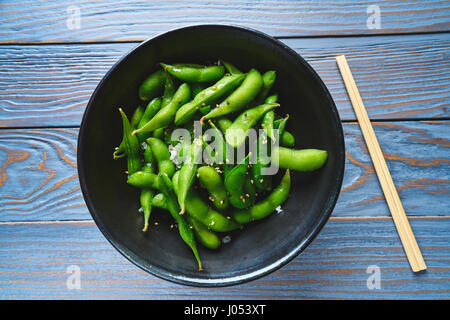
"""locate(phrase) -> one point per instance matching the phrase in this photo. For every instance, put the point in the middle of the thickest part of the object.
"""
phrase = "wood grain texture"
(31, 21)
(34, 259)
(417, 154)
(38, 178)
(398, 77)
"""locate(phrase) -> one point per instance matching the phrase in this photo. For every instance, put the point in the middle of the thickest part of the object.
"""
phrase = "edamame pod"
(183, 227)
(262, 182)
(152, 108)
(187, 173)
(143, 179)
(195, 74)
(160, 201)
(165, 116)
(268, 79)
(224, 123)
(198, 209)
(237, 100)
(146, 205)
(300, 160)
(267, 124)
(162, 156)
(231, 68)
(152, 85)
(234, 183)
(267, 206)
(119, 152)
(206, 237)
(207, 96)
(286, 138)
(169, 91)
(212, 181)
(131, 145)
(237, 132)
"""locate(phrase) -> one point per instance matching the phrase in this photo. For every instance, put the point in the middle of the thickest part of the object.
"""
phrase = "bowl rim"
(226, 281)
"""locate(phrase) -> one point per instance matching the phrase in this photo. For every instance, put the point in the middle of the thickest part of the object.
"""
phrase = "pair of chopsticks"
(395, 206)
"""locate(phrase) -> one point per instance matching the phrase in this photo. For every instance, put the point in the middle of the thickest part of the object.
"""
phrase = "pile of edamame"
(211, 190)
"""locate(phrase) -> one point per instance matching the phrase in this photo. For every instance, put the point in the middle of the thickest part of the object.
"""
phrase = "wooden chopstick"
(395, 206)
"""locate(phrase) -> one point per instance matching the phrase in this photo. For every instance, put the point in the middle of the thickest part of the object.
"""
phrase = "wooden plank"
(31, 21)
(34, 259)
(38, 178)
(403, 77)
(417, 156)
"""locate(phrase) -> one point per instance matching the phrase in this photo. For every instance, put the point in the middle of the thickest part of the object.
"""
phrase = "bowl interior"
(260, 247)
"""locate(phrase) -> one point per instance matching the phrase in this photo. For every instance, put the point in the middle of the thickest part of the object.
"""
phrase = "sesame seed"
(156, 223)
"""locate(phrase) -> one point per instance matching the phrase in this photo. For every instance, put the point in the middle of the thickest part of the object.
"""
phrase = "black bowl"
(259, 248)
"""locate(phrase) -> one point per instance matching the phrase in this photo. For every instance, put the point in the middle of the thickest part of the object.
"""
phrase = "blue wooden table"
(53, 54)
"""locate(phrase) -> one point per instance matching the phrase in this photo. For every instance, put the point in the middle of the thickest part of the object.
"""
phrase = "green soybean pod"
(152, 108)
(169, 91)
(146, 205)
(160, 201)
(152, 85)
(267, 124)
(143, 179)
(272, 98)
(207, 96)
(187, 173)
(235, 181)
(212, 181)
(237, 132)
(240, 97)
(262, 182)
(205, 236)
(165, 116)
(198, 209)
(158, 133)
(149, 159)
(131, 145)
(119, 152)
(268, 79)
(300, 160)
(265, 207)
(224, 123)
(162, 156)
(286, 138)
(195, 74)
(183, 227)
(232, 69)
